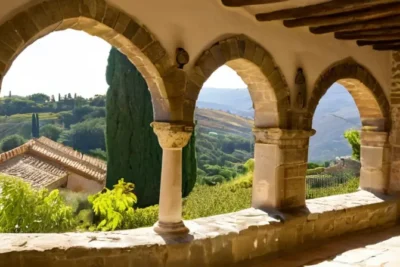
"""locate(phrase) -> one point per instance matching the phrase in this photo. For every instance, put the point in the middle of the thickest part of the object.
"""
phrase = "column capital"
(279, 136)
(172, 135)
(372, 138)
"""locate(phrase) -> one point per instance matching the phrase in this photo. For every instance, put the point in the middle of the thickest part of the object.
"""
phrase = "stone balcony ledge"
(216, 240)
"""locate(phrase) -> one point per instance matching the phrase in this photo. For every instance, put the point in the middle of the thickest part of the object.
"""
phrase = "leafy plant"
(112, 206)
(353, 137)
(26, 210)
(11, 142)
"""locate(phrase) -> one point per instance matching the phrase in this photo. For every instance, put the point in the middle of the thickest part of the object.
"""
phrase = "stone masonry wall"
(395, 133)
(222, 240)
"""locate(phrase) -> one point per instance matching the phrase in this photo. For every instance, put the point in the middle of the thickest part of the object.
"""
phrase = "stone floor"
(379, 248)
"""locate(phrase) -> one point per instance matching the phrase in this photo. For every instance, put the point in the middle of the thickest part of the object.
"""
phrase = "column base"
(171, 228)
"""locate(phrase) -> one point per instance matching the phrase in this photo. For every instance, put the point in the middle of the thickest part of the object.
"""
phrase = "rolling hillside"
(335, 113)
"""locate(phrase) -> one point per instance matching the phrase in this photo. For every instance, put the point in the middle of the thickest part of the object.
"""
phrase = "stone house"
(45, 163)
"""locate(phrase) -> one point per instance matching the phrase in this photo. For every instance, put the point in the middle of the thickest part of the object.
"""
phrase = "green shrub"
(249, 165)
(26, 210)
(113, 207)
(315, 171)
(312, 165)
(11, 142)
(51, 131)
(353, 137)
(143, 217)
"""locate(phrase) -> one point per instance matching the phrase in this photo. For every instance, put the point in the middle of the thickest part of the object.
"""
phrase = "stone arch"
(363, 87)
(267, 86)
(96, 18)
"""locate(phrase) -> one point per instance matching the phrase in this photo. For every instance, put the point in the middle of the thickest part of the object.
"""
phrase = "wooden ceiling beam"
(393, 21)
(376, 12)
(326, 8)
(239, 3)
(386, 47)
(372, 42)
(380, 32)
(381, 37)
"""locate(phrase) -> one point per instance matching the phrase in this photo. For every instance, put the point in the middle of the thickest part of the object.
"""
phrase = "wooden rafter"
(372, 42)
(390, 36)
(368, 25)
(239, 3)
(347, 17)
(326, 8)
(385, 47)
(356, 35)
(370, 22)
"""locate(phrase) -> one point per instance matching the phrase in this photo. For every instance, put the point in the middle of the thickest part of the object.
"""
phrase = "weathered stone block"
(142, 38)
(128, 29)
(25, 26)
(69, 8)
(40, 18)
(110, 17)
(207, 64)
(155, 52)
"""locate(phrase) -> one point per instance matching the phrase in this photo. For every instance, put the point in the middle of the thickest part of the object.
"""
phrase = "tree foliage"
(353, 137)
(133, 151)
(11, 142)
(51, 131)
(113, 207)
(85, 136)
(26, 210)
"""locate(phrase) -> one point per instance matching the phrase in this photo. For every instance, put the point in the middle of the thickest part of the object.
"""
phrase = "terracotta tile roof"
(51, 153)
(33, 170)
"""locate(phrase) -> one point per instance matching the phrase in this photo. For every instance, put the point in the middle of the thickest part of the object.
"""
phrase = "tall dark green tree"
(133, 151)
(35, 125)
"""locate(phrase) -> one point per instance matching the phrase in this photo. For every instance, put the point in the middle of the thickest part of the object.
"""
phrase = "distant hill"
(223, 122)
(335, 113)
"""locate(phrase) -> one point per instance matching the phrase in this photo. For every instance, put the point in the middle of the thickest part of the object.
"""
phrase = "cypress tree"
(33, 125)
(189, 166)
(37, 126)
(133, 151)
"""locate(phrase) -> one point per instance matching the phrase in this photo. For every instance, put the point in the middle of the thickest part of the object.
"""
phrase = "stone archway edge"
(98, 18)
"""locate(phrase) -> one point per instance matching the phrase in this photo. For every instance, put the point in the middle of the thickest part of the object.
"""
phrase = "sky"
(75, 62)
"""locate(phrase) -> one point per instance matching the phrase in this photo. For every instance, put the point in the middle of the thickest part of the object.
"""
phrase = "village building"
(44, 163)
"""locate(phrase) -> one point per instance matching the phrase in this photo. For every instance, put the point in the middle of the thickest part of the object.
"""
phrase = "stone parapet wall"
(222, 240)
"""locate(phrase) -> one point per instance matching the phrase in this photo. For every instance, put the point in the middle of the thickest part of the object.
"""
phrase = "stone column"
(375, 161)
(280, 168)
(394, 184)
(172, 138)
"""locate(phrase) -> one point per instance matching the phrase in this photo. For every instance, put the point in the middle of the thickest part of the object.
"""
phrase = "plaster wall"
(197, 24)
(79, 183)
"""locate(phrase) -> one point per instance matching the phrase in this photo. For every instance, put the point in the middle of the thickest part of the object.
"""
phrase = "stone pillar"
(280, 168)
(375, 161)
(394, 184)
(172, 138)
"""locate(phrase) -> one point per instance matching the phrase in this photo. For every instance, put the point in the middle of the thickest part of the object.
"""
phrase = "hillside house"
(45, 163)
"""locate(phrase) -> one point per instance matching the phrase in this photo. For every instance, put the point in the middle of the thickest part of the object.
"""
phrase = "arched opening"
(99, 19)
(224, 144)
(270, 98)
(132, 41)
(369, 139)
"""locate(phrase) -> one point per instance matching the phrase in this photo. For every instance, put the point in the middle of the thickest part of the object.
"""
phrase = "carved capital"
(376, 139)
(282, 137)
(172, 135)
